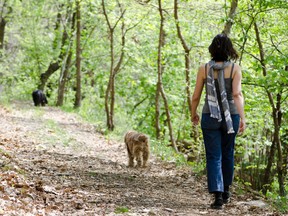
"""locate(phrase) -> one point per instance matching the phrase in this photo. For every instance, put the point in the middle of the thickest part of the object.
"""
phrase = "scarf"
(213, 102)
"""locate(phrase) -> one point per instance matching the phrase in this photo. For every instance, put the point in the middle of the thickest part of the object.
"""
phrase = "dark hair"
(221, 48)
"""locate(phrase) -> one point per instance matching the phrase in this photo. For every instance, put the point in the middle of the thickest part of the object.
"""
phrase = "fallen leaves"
(66, 168)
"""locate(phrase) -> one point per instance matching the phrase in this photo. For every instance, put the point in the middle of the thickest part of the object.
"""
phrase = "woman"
(222, 115)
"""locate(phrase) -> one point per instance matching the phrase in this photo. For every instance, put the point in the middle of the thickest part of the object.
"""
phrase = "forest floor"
(54, 163)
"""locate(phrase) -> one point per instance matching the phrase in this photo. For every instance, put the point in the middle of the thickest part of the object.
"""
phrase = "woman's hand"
(195, 119)
(242, 126)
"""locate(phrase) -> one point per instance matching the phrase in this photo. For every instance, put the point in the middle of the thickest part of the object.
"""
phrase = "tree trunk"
(160, 72)
(3, 21)
(230, 19)
(54, 66)
(109, 119)
(157, 111)
(187, 59)
(284, 141)
(267, 174)
(63, 80)
(187, 71)
(277, 117)
(276, 113)
(78, 55)
(65, 68)
(114, 68)
(2, 32)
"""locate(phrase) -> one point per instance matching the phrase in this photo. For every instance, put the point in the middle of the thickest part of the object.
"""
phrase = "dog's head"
(142, 138)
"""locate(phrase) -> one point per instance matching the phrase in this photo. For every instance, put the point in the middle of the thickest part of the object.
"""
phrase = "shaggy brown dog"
(138, 148)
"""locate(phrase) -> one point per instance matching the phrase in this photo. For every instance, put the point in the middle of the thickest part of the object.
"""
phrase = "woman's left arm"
(238, 97)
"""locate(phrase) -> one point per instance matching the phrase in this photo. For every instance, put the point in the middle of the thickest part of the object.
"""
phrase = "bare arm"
(197, 94)
(238, 98)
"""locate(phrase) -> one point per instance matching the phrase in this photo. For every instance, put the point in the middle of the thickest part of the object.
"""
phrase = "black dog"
(39, 98)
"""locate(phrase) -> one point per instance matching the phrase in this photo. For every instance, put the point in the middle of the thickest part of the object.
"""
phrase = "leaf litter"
(54, 163)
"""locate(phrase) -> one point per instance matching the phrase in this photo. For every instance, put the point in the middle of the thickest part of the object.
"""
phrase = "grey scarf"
(212, 94)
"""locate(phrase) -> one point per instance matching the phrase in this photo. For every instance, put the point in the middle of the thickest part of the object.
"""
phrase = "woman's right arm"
(238, 97)
(197, 94)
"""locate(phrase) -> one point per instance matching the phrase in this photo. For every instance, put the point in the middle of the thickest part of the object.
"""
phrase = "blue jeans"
(219, 148)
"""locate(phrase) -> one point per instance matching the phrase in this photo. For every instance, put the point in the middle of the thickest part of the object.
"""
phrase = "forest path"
(53, 163)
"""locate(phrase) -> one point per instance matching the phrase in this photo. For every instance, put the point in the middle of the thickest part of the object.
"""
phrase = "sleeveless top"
(228, 86)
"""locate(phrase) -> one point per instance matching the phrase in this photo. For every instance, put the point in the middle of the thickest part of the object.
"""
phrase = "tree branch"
(178, 27)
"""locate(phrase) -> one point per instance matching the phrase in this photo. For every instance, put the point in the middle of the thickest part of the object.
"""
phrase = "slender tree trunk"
(5, 11)
(267, 174)
(109, 122)
(66, 65)
(2, 32)
(276, 114)
(160, 69)
(109, 118)
(78, 55)
(187, 71)
(160, 72)
(63, 80)
(277, 125)
(187, 59)
(284, 141)
(229, 22)
(114, 67)
(245, 34)
(157, 111)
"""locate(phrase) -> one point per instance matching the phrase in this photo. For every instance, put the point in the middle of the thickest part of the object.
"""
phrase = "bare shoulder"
(237, 67)
(202, 67)
(237, 70)
(201, 70)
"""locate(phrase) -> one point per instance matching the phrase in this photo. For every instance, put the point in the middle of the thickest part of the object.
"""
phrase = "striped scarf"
(213, 102)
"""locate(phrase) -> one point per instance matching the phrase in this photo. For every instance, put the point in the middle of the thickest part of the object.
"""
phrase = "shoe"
(226, 197)
(217, 204)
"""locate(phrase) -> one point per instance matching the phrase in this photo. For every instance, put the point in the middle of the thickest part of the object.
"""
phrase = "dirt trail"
(53, 163)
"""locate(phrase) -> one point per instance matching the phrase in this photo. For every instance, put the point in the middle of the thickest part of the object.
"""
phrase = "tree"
(230, 19)
(143, 78)
(160, 88)
(5, 11)
(78, 55)
(271, 65)
(64, 50)
(63, 78)
(114, 66)
(187, 70)
(277, 118)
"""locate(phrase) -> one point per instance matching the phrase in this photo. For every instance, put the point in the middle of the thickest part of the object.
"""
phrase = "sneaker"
(217, 204)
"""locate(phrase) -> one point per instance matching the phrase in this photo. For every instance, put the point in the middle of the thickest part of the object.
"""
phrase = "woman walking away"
(222, 115)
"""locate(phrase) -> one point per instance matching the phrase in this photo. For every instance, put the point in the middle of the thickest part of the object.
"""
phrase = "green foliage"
(198, 168)
(121, 210)
(163, 151)
(32, 42)
(252, 152)
(279, 202)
